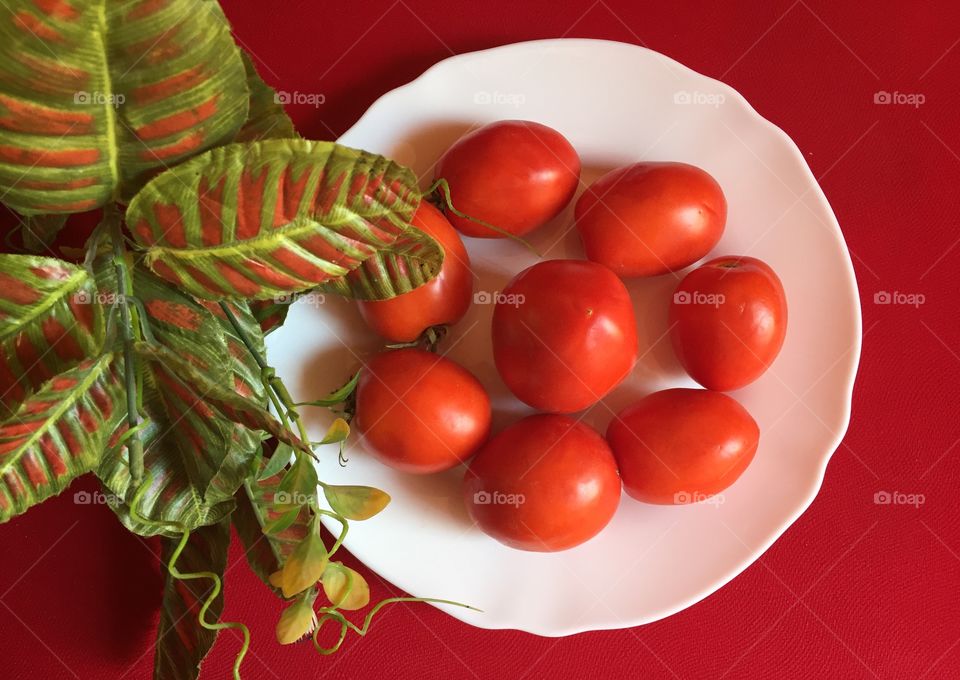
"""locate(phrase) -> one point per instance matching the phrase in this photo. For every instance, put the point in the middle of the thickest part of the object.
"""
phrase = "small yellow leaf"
(345, 588)
(297, 620)
(276, 579)
(338, 432)
(305, 565)
(356, 502)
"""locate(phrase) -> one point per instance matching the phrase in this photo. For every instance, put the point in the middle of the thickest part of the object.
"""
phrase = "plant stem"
(135, 445)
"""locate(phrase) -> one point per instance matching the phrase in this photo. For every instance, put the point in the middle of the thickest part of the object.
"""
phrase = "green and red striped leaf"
(182, 643)
(96, 96)
(256, 509)
(269, 218)
(181, 381)
(267, 119)
(49, 322)
(58, 434)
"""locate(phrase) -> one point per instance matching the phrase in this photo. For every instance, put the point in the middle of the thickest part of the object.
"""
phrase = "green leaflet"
(182, 642)
(58, 434)
(267, 119)
(266, 219)
(97, 95)
(50, 320)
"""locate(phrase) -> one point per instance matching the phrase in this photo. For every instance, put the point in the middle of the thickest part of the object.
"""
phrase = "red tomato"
(420, 412)
(564, 334)
(444, 300)
(546, 483)
(681, 445)
(513, 174)
(728, 319)
(651, 218)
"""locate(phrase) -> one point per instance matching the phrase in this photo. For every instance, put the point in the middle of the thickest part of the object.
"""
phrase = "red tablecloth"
(854, 589)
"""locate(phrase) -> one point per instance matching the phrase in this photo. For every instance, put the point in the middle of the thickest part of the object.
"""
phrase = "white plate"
(617, 104)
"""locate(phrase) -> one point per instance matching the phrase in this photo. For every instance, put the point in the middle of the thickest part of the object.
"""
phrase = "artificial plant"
(143, 362)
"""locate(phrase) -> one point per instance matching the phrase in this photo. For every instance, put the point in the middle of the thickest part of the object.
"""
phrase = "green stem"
(127, 330)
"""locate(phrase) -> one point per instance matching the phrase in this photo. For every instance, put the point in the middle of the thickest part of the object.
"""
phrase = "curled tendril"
(441, 189)
(343, 531)
(332, 613)
(190, 576)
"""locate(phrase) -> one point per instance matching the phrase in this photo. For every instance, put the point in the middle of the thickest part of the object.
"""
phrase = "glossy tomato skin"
(444, 300)
(420, 412)
(728, 320)
(647, 219)
(514, 174)
(564, 334)
(545, 483)
(682, 445)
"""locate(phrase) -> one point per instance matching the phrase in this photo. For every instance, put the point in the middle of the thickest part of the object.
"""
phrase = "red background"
(854, 589)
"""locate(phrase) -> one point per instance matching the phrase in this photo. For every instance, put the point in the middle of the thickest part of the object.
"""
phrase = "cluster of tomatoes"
(564, 335)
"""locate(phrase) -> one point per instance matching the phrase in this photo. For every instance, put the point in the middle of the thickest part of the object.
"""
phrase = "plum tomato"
(564, 334)
(420, 412)
(728, 319)
(682, 445)
(514, 174)
(444, 300)
(651, 218)
(545, 483)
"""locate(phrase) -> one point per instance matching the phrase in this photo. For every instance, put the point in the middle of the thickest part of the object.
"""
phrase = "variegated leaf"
(256, 509)
(268, 218)
(58, 434)
(267, 119)
(270, 314)
(50, 320)
(97, 95)
(182, 643)
(182, 381)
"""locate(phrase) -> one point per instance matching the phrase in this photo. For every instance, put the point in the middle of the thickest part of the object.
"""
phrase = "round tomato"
(564, 334)
(545, 483)
(513, 174)
(728, 320)
(682, 445)
(419, 412)
(444, 300)
(651, 218)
